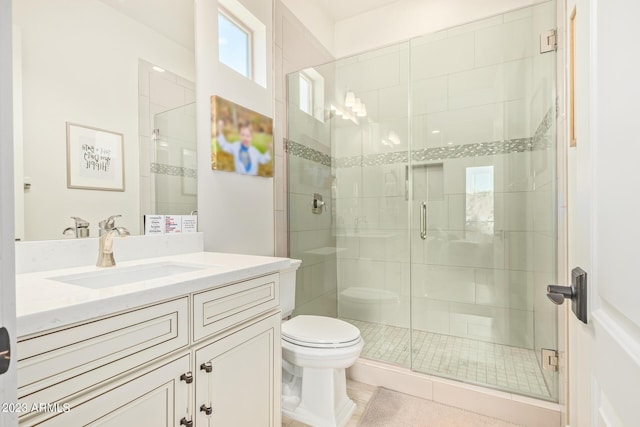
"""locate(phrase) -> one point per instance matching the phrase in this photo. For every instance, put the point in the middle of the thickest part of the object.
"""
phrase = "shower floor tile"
(495, 365)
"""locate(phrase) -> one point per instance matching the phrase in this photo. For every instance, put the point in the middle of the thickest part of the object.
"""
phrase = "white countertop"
(44, 304)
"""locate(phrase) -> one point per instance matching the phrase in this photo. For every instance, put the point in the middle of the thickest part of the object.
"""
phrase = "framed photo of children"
(241, 139)
(95, 158)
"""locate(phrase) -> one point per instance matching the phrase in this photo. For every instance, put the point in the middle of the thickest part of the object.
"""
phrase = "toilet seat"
(320, 332)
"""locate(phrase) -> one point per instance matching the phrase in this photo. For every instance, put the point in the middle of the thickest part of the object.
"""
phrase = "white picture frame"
(95, 158)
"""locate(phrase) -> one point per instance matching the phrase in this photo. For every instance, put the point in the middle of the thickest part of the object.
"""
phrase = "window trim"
(245, 28)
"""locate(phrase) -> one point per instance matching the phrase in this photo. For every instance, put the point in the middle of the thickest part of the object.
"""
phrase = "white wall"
(80, 64)
(405, 19)
(318, 22)
(8, 381)
(235, 212)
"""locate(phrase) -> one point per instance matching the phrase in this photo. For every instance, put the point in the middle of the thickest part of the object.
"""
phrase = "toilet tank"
(288, 287)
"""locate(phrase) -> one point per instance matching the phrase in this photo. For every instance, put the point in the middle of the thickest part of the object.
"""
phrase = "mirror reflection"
(123, 66)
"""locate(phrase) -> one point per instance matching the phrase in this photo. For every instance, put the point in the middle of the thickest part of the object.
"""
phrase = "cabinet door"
(156, 398)
(238, 378)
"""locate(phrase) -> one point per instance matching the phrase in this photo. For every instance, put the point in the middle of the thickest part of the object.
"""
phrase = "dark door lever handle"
(557, 294)
(5, 350)
(577, 293)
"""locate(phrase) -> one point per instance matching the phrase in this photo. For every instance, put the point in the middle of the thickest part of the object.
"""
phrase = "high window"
(235, 43)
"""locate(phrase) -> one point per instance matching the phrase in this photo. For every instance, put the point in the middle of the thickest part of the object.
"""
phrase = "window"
(479, 213)
(306, 94)
(234, 44)
(311, 96)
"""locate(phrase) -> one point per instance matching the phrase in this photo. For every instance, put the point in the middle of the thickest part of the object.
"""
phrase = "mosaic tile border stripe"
(540, 141)
(307, 153)
(162, 169)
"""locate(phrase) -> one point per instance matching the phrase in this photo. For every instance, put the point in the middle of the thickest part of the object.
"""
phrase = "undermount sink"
(124, 275)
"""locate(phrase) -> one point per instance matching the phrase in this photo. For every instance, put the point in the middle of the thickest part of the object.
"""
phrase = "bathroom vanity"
(191, 339)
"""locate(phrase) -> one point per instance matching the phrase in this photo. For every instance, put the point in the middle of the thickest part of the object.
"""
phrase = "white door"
(604, 215)
(7, 268)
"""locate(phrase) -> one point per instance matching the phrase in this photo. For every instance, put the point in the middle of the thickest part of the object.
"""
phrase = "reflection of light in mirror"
(435, 131)
(349, 99)
(479, 211)
(357, 105)
(394, 138)
(158, 69)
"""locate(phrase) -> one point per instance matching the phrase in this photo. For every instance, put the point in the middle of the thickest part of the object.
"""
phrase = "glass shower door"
(370, 149)
(482, 176)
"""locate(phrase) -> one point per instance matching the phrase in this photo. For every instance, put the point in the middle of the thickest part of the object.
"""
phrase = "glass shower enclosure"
(436, 162)
(174, 166)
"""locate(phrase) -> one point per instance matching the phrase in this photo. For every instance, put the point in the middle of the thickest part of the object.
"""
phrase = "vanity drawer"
(221, 308)
(53, 366)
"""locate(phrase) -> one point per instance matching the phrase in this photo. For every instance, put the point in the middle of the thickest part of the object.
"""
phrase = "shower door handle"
(423, 220)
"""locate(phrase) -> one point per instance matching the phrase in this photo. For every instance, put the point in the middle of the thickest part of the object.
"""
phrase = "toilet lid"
(320, 331)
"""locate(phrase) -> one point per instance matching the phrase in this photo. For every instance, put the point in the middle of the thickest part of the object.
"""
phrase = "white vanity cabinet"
(156, 398)
(238, 378)
(210, 357)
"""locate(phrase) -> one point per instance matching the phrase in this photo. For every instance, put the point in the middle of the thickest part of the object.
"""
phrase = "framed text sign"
(95, 158)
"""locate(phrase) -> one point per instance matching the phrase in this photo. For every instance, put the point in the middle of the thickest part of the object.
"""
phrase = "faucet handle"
(80, 222)
(108, 223)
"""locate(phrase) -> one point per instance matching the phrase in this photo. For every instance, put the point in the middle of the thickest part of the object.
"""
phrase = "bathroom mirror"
(110, 67)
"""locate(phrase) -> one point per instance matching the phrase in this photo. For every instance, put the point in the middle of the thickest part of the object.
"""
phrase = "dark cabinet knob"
(184, 422)
(207, 367)
(187, 377)
(206, 409)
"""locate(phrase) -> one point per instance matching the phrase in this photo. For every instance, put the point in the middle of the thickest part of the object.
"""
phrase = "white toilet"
(315, 352)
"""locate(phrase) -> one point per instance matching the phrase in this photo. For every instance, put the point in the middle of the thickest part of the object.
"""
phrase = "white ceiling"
(343, 9)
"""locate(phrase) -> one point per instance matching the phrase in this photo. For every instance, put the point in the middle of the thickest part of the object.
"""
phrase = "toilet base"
(342, 417)
(324, 401)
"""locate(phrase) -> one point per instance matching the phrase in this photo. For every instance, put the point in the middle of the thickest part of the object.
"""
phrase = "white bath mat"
(389, 408)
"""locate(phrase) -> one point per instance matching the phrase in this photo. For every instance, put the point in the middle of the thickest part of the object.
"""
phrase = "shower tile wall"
(474, 84)
(310, 235)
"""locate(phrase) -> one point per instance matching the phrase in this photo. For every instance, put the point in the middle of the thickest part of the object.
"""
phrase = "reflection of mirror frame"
(87, 171)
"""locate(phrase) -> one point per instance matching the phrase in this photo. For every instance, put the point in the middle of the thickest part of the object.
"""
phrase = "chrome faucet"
(81, 228)
(108, 231)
